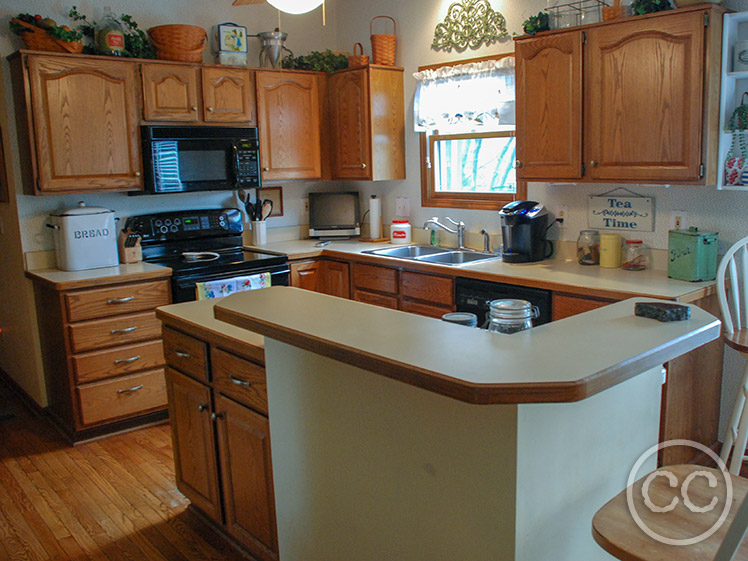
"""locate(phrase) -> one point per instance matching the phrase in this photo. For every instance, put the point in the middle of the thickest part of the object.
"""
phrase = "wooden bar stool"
(734, 268)
(616, 531)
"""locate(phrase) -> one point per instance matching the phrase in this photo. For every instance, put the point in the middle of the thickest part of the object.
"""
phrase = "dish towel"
(220, 288)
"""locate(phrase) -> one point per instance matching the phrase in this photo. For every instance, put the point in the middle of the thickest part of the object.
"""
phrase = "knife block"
(132, 254)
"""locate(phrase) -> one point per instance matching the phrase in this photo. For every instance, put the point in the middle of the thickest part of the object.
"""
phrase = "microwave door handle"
(235, 161)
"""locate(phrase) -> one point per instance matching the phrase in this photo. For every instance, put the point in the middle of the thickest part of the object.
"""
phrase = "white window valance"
(477, 96)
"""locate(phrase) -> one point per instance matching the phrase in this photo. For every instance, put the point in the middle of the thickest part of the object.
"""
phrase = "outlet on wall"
(306, 205)
(678, 220)
(562, 213)
(402, 207)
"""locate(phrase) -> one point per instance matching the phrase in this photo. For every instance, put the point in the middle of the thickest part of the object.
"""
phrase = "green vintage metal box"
(692, 255)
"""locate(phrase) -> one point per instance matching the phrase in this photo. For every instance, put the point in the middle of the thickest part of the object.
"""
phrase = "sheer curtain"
(472, 97)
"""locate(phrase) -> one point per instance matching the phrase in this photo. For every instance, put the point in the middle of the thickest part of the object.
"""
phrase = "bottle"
(610, 251)
(400, 231)
(588, 247)
(635, 257)
(110, 40)
(435, 238)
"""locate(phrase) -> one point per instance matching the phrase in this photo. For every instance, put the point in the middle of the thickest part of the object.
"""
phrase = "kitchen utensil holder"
(383, 45)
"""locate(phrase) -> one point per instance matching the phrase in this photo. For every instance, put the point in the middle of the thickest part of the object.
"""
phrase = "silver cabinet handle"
(181, 354)
(211, 109)
(132, 389)
(202, 408)
(194, 107)
(127, 360)
(593, 163)
(215, 416)
(518, 164)
(265, 169)
(121, 331)
(239, 382)
(363, 166)
(120, 300)
(137, 174)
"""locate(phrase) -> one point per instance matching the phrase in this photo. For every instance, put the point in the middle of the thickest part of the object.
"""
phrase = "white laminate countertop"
(102, 275)
(565, 360)
(558, 272)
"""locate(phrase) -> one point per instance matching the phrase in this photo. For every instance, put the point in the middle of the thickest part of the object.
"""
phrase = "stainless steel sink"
(436, 255)
(408, 251)
(458, 257)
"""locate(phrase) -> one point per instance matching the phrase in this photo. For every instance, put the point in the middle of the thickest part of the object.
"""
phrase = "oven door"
(183, 288)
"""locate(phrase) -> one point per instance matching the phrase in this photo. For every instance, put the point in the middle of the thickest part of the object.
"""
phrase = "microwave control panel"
(185, 224)
(247, 164)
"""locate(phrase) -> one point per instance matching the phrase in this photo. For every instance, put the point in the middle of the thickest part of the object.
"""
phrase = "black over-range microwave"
(186, 159)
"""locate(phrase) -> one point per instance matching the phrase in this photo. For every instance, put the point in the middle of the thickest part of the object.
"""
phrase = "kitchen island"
(396, 436)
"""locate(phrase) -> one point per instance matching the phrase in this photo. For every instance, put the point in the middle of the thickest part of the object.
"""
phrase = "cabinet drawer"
(122, 397)
(98, 365)
(424, 309)
(240, 379)
(186, 354)
(376, 299)
(125, 299)
(429, 288)
(381, 279)
(102, 333)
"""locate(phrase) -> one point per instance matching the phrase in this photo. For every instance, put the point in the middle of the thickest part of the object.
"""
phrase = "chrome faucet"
(486, 241)
(459, 230)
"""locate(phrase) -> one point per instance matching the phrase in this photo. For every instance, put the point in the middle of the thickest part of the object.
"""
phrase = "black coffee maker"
(523, 228)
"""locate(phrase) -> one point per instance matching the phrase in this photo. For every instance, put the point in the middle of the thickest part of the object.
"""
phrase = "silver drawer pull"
(127, 360)
(120, 300)
(181, 354)
(132, 389)
(239, 382)
(121, 331)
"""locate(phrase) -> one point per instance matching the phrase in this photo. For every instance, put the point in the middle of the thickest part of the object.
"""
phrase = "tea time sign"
(609, 212)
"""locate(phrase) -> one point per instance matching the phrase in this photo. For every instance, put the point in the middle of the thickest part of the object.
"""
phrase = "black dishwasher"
(474, 295)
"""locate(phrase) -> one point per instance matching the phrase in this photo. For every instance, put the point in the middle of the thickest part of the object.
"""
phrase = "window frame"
(480, 201)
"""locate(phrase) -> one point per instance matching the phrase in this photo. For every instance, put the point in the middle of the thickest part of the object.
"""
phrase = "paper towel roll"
(375, 218)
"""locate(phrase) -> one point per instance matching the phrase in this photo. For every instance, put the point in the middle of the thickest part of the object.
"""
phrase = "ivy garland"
(469, 24)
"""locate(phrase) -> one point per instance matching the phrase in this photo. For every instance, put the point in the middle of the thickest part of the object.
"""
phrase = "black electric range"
(200, 246)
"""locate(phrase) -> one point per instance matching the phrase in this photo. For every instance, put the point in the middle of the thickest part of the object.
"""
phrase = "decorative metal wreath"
(469, 23)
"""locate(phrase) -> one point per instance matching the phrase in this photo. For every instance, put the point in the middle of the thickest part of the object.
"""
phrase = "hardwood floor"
(111, 500)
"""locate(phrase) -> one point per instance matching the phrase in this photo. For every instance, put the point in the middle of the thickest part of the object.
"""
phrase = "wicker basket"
(382, 45)
(357, 60)
(38, 39)
(613, 12)
(183, 43)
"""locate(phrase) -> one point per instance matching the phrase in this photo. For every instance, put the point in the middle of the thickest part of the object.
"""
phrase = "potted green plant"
(321, 62)
(137, 44)
(641, 7)
(534, 24)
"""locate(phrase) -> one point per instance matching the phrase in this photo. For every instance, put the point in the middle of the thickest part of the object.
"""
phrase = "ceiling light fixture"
(295, 6)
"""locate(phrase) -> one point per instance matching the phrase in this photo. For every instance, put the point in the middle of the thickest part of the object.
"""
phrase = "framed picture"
(232, 38)
(274, 194)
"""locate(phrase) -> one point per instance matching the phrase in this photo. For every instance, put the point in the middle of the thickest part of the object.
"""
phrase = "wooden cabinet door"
(228, 96)
(644, 97)
(351, 124)
(170, 92)
(288, 122)
(247, 477)
(86, 119)
(567, 305)
(336, 278)
(549, 106)
(305, 275)
(194, 442)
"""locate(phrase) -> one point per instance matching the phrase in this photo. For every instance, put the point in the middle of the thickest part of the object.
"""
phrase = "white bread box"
(85, 238)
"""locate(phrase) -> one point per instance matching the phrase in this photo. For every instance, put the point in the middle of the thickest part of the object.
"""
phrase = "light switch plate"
(562, 213)
(402, 207)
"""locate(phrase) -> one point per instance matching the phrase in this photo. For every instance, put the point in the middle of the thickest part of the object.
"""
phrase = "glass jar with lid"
(510, 315)
(635, 257)
(588, 247)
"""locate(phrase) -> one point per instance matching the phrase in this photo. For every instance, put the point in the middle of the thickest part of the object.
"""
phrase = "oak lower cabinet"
(288, 119)
(194, 93)
(221, 436)
(79, 120)
(646, 118)
(367, 119)
(322, 275)
(102, 353)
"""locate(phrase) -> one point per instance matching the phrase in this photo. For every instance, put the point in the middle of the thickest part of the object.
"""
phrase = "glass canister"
(610, 251)
(588, 247)
(635, 256)
(510, 315)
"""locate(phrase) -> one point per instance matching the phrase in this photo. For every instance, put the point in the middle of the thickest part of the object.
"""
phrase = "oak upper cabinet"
(288, 118)
(549, 106)
(367, 120)
(628, 101)
(188, 93)
(82, 118)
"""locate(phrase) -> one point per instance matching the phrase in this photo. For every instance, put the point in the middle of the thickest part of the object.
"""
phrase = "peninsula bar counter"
(401, 437)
